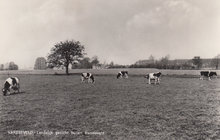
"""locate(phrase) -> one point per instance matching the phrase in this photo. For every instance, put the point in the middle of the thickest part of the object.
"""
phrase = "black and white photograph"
(110, 69)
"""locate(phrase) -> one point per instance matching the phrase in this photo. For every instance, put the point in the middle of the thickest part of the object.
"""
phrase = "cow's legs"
(82, 79)
(149, 81)
(158, 80)
(201, 77)
(18, 88)
(126, 76)
(4, 94)
(9, 91)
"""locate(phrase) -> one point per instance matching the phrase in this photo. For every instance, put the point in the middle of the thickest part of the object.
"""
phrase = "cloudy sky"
(122, 31)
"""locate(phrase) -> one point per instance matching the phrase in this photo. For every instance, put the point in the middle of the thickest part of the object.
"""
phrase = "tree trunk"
(67, 69)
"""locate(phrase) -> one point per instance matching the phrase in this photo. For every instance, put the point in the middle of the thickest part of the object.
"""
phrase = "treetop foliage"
(65, 53)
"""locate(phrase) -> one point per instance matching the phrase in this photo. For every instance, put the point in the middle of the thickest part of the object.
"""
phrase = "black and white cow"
(122, 74)
(87, 76)
(207, 74)
(11, 83)
(153, 76)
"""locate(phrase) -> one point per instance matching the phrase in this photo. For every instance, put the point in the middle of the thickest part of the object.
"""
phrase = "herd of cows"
(12, 83)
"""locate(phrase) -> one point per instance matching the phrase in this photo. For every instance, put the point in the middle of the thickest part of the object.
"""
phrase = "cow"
(87, 76)
(122, 74)
(153, 76)
(207, 74)
(11, 83)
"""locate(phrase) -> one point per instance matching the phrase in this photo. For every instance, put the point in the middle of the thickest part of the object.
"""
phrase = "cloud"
(120, 31)
(143, 20)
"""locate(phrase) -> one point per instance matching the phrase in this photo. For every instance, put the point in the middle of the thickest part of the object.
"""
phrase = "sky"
(122, 31)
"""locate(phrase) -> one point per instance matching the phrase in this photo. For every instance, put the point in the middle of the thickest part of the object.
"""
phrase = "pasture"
(179, 108)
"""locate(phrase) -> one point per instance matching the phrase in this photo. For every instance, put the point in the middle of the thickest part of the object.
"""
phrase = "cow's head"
(159, 74)
(147, 76)
(4, 91)
(213, 74)
(119, 74)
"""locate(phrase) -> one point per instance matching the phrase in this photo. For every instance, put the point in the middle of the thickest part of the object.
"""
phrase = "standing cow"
(153, 76)
(11, 83)
(122, 74)
(87, 76)
(207, 74)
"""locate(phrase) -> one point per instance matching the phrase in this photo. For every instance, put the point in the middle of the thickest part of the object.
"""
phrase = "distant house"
(99, 66)
(144, 62)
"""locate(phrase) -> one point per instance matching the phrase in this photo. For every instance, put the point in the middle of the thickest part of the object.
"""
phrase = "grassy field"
(178, 108)
(131, 71)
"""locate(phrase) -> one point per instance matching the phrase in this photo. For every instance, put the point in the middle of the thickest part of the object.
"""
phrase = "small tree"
(152, 59)
(216, 61)
(197, 61)
(12, 66)
(40, 63)
(111, 64)
(164, 61)
(95, 60)
(1, 66)
(85, 63)
(65, 53)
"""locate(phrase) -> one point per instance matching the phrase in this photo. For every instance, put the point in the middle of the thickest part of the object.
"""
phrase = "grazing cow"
(207, 74)
(153, 76)
(122, 74)
(87, 76)
(11, 83)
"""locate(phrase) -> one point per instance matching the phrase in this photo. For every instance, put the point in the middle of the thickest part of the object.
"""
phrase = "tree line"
(9, 66)
(166, 63)
(71, 54)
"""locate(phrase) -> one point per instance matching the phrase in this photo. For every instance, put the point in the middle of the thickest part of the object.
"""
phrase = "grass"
(178, 108)
(131, 71)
